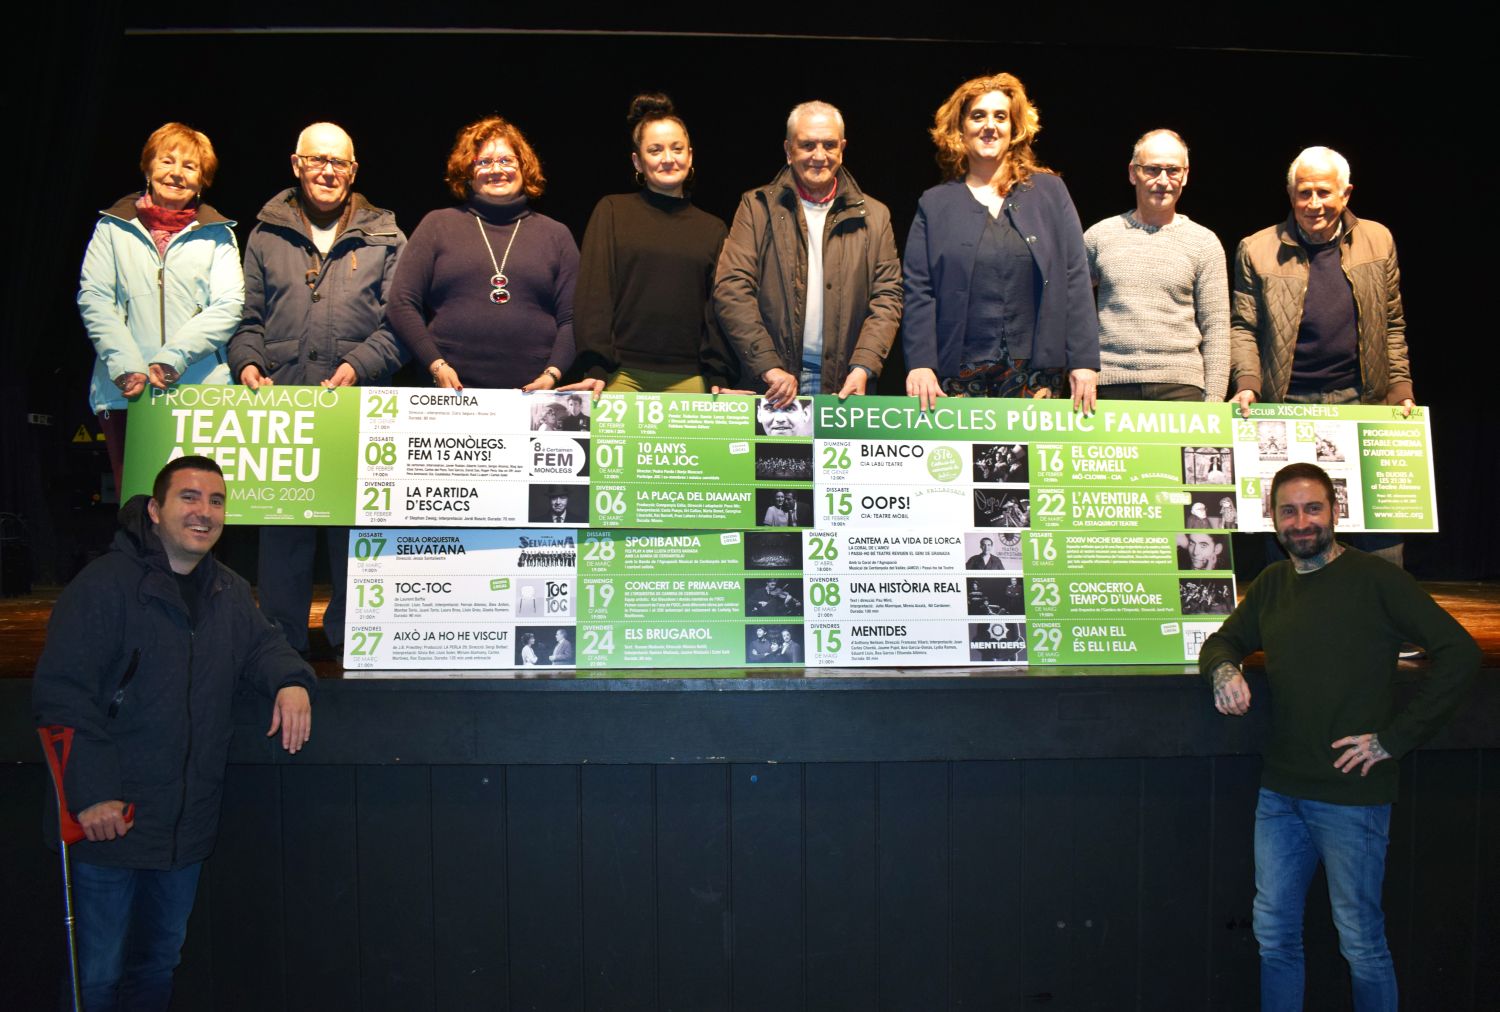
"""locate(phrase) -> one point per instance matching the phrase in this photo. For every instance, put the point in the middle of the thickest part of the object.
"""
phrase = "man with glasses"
(1163, 292)
(317, 269)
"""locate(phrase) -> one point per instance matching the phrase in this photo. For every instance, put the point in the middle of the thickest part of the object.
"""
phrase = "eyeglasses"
(321, 162)
(503, 162)
(1152, 171)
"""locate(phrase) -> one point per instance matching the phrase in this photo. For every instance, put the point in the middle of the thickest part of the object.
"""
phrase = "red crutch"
(57, 743)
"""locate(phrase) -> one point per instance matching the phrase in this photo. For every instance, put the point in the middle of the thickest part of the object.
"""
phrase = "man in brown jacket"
(1317, 301)
(819, 316)
(1317, 313)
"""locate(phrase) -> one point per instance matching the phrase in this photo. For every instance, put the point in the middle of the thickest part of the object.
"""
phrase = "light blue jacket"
(140, 308)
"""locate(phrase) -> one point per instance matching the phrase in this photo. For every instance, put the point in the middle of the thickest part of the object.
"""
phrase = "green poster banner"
(286, 452)
(501, 458)
(1379, 459)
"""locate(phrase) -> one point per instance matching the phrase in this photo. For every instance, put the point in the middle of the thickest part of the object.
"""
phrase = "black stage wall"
(1246, 95)
(771, 845)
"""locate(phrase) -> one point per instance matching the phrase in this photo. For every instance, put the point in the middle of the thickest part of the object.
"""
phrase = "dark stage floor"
(23, 623)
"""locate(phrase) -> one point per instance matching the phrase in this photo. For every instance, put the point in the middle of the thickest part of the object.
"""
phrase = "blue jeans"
(129, 924)
(1291, 836)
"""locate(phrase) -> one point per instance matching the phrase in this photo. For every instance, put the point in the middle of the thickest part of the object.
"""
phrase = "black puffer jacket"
(150, 694)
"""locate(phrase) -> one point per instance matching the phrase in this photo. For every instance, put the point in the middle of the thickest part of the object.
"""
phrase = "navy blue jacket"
(939, 263)
(149, 694)
(298, 334)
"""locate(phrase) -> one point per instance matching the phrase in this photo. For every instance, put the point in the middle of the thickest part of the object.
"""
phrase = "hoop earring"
(640, 178)
(692, 173)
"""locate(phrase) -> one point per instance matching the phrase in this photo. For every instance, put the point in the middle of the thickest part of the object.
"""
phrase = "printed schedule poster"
(1020, 464)
(473, 458)
(1380, 462)
(600, 600)
(976, 597)
(696, 461)
(286, 452)
(461, 599)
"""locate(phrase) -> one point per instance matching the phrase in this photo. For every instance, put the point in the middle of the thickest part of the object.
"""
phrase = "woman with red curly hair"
(998, 300)
(483, 293)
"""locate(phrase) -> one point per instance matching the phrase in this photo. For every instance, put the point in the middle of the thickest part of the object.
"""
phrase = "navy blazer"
(939, 263)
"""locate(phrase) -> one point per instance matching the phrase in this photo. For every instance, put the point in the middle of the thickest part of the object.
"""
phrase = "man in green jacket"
(1331, 620)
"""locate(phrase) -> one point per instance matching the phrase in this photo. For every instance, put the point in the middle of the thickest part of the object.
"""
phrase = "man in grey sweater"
(1163, 290)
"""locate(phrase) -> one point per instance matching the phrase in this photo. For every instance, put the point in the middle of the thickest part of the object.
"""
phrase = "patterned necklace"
(498, 293)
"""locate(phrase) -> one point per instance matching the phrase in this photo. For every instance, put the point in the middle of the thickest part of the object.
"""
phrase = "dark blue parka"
(150, 694)
(298, 333)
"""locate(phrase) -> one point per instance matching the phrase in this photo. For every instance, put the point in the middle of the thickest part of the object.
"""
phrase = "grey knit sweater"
(1163, 298)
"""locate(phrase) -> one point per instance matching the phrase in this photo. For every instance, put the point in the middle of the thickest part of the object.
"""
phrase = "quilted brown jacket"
(1270, 283)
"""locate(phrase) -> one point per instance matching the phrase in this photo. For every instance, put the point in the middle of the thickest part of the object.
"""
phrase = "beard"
(1305, 547)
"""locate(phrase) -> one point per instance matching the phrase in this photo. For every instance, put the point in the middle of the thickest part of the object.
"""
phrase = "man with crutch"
(144, 652)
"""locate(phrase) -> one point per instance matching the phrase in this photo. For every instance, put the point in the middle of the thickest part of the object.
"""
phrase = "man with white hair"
(808, 288)
(317, 269)
(1317, 312)
(1317, 315)
(1163, 291)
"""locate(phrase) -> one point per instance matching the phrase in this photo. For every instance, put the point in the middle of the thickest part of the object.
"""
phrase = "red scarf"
(813, 200)
(163, 223)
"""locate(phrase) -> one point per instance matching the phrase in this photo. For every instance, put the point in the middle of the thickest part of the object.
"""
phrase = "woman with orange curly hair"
(161, 289)
(483, 293)
(998, 301)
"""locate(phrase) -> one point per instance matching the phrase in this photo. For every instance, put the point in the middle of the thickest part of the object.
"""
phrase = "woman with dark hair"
(642, 316)
(483, 293)
(998, 300)
(161, 289)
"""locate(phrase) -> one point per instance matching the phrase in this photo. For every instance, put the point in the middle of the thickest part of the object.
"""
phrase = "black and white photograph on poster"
(1206, 597)
(558, 504)
(773, 597)
(1328, 440)
(1341, 493)
(1201, 550)
(1207, 465)
(992, 550)
(1211, 511)
(1000, 462)
(1270, 438)
(1228, 513)
(541, 598)
(1005, 508)
(997, 641)
(980, 549)
(559, 456)
(795, 418)
(783, 462)
(773, 550)
(996, 595)
(544, 646)
(783, 507)
(773, 644)
(561, 412)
